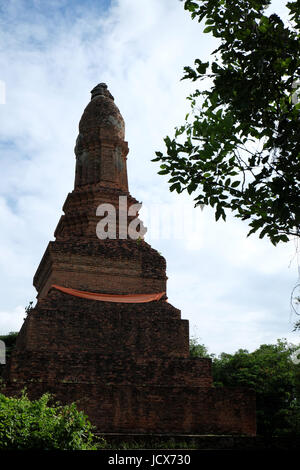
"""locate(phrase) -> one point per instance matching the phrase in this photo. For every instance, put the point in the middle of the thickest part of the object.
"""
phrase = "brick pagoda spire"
(125, 360)
(77, 258)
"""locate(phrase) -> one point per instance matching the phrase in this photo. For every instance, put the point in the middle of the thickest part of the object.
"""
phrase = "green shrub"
(35, 425)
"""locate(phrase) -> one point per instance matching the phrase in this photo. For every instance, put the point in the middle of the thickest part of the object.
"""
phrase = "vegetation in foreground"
(38, 425)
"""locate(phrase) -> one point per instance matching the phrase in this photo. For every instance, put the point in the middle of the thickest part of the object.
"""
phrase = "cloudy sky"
(235, 291)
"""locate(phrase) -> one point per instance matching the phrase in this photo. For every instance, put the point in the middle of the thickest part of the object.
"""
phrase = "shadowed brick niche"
(127, 365)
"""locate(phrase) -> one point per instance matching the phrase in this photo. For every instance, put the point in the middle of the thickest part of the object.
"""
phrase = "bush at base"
(35, 425)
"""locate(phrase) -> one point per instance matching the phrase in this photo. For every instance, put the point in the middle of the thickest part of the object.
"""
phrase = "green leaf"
(263, 232)
(242, 133)
(215, 67)
(201, 66)
(191, 6)
(176, 186)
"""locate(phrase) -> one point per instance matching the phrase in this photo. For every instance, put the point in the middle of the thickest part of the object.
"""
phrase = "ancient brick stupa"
(102, 332)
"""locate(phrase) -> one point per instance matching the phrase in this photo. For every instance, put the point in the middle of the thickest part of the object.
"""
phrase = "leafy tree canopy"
(239, 147)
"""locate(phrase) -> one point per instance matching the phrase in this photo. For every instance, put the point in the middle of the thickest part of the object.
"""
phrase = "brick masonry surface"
(126, 365)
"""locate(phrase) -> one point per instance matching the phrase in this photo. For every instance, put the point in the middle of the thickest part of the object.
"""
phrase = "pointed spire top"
(101, 90)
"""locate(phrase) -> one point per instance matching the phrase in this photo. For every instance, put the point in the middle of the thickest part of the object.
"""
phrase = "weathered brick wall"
(157, 409)
(71, 324)
(107, 266)
(91, 367)
(80, 207)
(127, 365)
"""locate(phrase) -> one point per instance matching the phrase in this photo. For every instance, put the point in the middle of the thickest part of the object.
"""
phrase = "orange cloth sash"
(126, 299)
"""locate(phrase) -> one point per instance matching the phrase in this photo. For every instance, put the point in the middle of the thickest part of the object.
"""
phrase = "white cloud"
(13, 320)
(233, 289)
